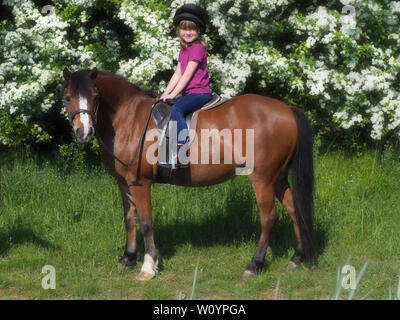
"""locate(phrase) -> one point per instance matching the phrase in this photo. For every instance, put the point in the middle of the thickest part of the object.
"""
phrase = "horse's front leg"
(129, 257)
(141, 196)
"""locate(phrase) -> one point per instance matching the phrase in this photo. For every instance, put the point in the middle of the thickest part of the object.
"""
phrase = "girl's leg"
(185, 105)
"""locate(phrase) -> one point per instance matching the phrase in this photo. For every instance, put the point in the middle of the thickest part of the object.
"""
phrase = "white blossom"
(353, 80)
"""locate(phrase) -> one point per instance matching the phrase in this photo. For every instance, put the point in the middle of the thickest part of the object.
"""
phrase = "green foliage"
(72, 157)
(15, 132)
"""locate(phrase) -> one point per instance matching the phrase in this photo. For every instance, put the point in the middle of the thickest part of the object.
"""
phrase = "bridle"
(139, 148)
(92, 114)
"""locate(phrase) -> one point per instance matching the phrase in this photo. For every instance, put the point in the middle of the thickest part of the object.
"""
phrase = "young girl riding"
(190, 78)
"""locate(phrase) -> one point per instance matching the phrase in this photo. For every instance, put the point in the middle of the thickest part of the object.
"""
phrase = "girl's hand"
(167, 96)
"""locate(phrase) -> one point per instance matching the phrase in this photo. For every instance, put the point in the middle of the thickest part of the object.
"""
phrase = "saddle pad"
(191, 118)
(162, 113)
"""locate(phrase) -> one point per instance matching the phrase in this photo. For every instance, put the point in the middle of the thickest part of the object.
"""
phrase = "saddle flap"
(161, 115)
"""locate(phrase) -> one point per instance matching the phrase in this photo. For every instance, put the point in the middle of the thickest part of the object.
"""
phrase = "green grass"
(205, 236)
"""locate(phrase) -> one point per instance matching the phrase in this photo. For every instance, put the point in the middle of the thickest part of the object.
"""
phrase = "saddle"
(162, 113)
(161, 116)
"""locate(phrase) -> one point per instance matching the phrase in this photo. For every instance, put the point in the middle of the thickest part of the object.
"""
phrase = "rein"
(140, 144)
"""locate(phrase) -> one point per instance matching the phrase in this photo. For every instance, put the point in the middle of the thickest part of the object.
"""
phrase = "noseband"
(92, 114)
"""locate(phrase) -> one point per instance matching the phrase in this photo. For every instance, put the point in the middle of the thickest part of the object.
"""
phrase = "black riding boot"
(179, 164)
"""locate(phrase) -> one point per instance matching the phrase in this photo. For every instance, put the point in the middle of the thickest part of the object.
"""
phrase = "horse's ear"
(93, 73)
(66, 74)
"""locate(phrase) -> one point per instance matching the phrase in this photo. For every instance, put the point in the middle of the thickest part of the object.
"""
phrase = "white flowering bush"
(35, 46)
(338, 60)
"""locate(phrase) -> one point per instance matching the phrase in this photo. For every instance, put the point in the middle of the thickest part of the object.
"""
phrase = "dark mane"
(80, 83)
(134, 86)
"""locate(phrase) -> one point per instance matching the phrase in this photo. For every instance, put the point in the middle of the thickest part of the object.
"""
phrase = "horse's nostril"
(90, 131)
(78, 132)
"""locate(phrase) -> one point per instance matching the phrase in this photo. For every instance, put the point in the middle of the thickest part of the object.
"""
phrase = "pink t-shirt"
(200, 80)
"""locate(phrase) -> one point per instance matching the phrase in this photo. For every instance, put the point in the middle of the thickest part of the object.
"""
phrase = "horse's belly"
(202, 175)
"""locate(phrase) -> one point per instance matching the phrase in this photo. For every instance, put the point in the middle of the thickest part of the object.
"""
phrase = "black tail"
(303, 183)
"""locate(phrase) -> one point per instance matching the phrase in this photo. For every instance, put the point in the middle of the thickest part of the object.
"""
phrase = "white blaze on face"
(84, 117)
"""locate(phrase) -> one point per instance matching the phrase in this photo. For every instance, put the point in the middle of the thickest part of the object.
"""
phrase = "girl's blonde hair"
(190, 25)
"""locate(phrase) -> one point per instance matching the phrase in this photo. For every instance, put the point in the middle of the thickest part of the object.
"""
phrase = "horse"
(117, 112)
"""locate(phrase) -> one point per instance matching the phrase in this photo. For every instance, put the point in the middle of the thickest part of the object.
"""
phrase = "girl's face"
(188, 36)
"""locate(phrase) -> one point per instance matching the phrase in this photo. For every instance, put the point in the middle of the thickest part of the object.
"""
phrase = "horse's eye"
(67, 99)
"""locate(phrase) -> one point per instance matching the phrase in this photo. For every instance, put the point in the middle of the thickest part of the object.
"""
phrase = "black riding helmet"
(193, 13)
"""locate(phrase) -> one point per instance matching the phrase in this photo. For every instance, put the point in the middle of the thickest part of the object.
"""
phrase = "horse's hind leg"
(129, 257)
(284, 194)
(268, 216)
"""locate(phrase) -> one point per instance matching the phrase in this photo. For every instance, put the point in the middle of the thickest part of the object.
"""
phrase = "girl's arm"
(184, 79)
(172, 83)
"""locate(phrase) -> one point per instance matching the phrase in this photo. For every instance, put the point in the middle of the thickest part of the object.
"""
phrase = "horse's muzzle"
(82, 136)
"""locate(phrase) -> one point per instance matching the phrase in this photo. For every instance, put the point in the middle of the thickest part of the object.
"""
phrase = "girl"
(191, 76)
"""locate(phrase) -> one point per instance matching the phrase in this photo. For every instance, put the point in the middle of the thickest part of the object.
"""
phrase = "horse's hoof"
(291, 265)
(248, 274)
(144, 276)
(125, 262)
(120, 266)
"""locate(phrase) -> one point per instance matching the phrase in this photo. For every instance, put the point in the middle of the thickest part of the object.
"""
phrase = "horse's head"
(81, 100)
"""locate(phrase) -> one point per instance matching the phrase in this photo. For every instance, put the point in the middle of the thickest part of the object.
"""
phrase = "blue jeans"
(184, 105)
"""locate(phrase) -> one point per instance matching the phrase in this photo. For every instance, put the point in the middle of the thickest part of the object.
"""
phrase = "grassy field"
(74, 222)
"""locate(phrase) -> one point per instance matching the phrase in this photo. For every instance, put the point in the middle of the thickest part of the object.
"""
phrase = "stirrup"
(177, 163)
(164, 165)
(181, 165)
(168, 165)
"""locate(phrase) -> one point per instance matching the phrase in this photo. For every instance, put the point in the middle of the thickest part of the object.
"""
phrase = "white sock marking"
(149, 265)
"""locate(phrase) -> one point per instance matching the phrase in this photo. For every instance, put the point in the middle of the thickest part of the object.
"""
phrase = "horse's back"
(257, 106)
(268, 117)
